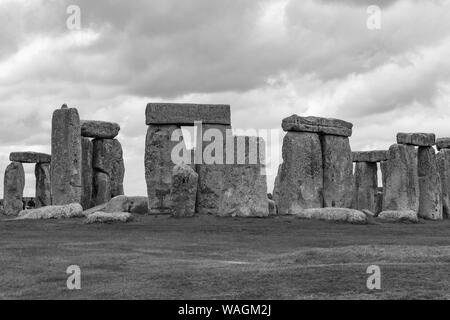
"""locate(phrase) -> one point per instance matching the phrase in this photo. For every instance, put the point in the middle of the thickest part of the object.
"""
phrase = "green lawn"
(230, 258)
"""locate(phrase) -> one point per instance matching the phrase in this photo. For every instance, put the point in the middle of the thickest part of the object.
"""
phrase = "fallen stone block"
(108, 217)
(443, 143)
(99, 129)
(13, 185)
(30, 157)
(318, 125)
(89, 211)
(430, 187)
(370, 156)
(332, 214)
(186, 114)
(123, 203)
(416, 139)
(73, 210)
(399, 216)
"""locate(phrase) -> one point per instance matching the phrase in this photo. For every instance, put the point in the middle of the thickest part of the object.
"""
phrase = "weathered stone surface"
(108, 217)
(30, 157)
(99, 129)
(399, 216)
(276, 186)
(123, 203)
(66, 161)
(13, 185)
(400, 179)
(443, 165)
(443, 143)
(332, 214)
(43, 188)
(245, 186)
(317, 125)
(117, 204)
(89, 211)
(273, 210)
(301, 177)
(158, 168)
(416, 139)
(138, 205)
(337, 171)
(378, 202)
(184, 190)
(72, 210)
(430, 194)
(87, 173)
(366, 186)
(101, 188)
(370, 156)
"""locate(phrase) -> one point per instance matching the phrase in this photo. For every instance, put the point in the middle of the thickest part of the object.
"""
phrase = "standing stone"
(13, 185)
(87, 173)
(118, 170)
(183, 191)
(400, 179)
(379, 201)
(102, 188)
(337, 171)
(66, 161)
(43, 186)
(366, 186)
(443, 164)
(276, 186)
(430, 188)
(443, 143)
(301, 177)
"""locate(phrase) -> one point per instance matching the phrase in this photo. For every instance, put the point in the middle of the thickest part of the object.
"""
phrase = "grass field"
(230, 258)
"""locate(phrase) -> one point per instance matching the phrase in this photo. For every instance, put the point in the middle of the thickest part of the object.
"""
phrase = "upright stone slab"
(13, 185)
(101, 188)
(66, 161)
(400, 179)
(301, 177)
(366, 186)
(276, 186)
(245, 186)
(184, 190)
(43, 185)
(430, 196)
(337, 171)
(87, 173)
(443, 164)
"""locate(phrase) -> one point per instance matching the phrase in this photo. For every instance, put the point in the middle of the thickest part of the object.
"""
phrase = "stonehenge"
(13, 185)
(443, 165)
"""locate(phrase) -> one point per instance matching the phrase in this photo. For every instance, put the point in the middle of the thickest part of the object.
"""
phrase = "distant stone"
(101, 188)
(99, 129)
(370, 156)
(187, 113)
(443, 143)
(443, 165)
(416, 139)
(399, 216)
(87, 176)
(430, 199)
(366, 186)
(276, 185)
(318, 125)
(108, 217)
(332, 214)
(72, 210)
(184, 190)
(43, 188)
(30, 157)
(273, 210)
(337, 171)
(13, 185)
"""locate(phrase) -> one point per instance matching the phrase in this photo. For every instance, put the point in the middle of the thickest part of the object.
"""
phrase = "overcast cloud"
(268, 59)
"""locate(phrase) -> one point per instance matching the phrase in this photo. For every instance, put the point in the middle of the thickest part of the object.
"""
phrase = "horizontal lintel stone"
(318, 125)
(443, 143)
(30, 157)
(99, 129)
(370, 156)
(416, 139)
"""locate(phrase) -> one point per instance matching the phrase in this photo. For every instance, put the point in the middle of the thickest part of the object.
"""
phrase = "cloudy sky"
(268, 59)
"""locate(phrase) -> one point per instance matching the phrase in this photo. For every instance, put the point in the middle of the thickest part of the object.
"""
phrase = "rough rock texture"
(443, 165)
(370, 156)
(89, 211)
(87, 173)
(443, 143)
(127, 204)
(337, 172)
(184, 190)
(276, 186)
(101, 192)
(13, 185)
(72, 210)
(400, 179)
(43, 188)
(317, 125)
(186, 114)
(99, 129)
(366, 186)
(30, 157)
(301, 176)
(273, 210)
(245, 186)
(138, 205)
(399, 216)
(158, 167)
(416, 139)
(332, 214)
(66, 157)
(378, 202)
(430, 187)
(108, 217)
